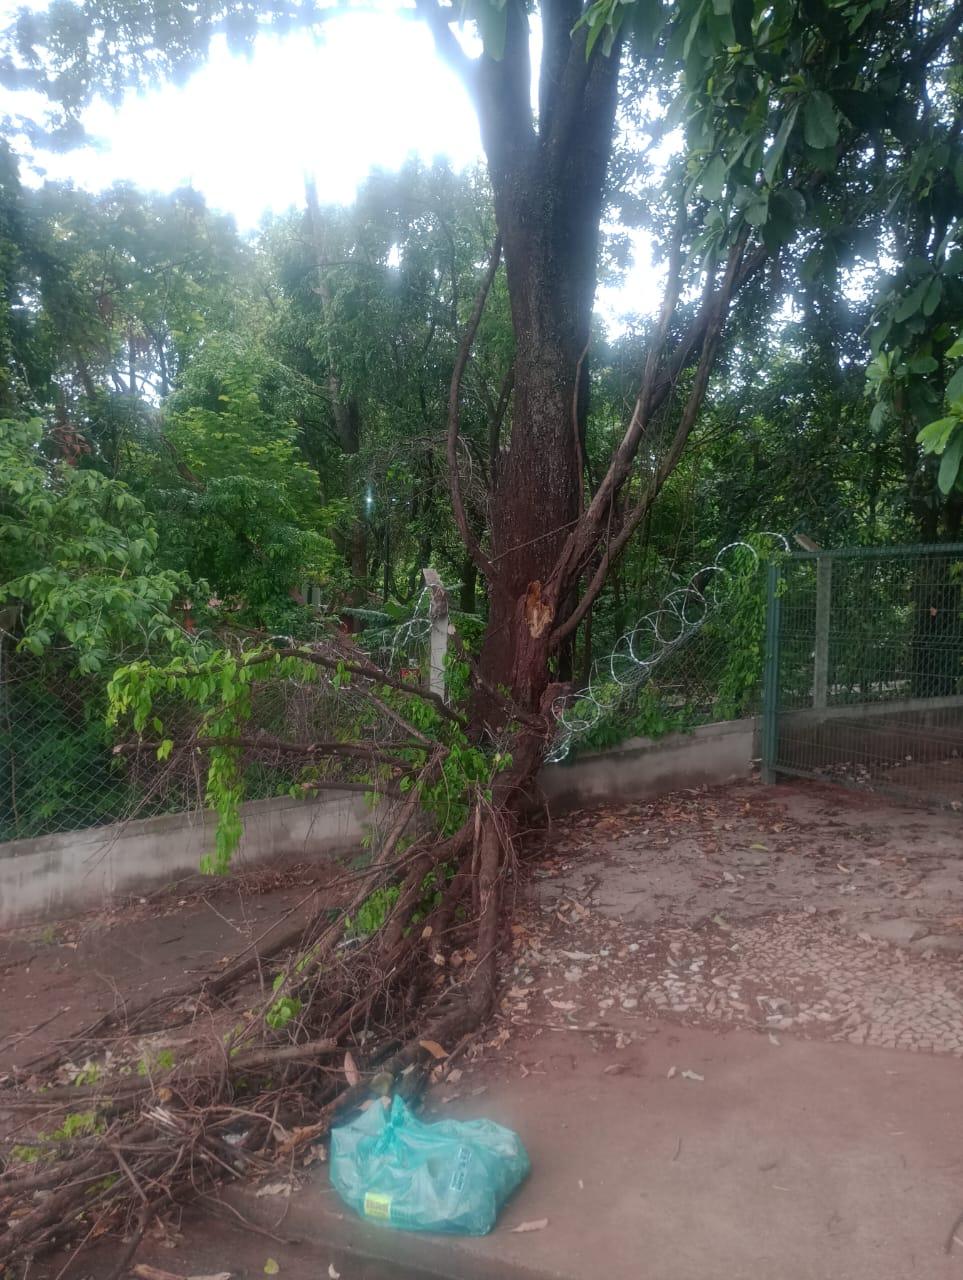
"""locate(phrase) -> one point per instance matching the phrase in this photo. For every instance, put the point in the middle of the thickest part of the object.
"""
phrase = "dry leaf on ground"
(351, 1074)
(434, 1048)
(273, 1189)
(537, 1224)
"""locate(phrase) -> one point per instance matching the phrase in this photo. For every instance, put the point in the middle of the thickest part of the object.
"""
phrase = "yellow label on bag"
(377, 1206)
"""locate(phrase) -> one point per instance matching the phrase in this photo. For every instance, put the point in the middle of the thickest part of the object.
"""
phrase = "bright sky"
(244, 132)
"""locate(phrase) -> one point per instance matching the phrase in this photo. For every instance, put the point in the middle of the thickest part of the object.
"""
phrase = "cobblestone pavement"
(843, 972)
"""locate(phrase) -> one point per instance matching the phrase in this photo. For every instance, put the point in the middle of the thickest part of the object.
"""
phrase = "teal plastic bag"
(452, 1176)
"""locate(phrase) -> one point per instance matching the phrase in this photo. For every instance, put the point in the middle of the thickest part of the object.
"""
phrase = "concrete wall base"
(59, 875)
(645, 767)
(77, 870)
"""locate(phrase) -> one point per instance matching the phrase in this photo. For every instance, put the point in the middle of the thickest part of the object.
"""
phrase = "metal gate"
(863, 680)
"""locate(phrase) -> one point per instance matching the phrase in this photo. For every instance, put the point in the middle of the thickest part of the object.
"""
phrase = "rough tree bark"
(550, 547)
(548, 174)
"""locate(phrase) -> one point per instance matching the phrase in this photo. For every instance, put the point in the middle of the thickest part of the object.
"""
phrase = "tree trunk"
(548, 189)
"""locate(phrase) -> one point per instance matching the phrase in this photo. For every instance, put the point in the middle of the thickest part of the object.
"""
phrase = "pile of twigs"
(111, 1155)
(223, 1077)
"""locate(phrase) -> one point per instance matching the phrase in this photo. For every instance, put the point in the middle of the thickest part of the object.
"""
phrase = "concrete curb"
(337, 1235)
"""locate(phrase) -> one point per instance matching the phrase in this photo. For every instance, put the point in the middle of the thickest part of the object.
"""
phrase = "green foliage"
(76, 1124)
(643, 715)
(78, 557)
(23, 1153)
(219, 687)
(466, 771)
(457, 679)
(373, 912)
(275, 408)
(742, 622)
(152, 1064)
(282, 1011)
(944, 437)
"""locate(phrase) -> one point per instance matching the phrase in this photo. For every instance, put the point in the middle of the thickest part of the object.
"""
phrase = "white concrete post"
(438, 644)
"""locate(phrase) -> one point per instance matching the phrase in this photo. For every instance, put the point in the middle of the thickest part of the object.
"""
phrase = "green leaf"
(824, 159)
(956, 349)
(742, 13)
(646, 18)
(821, 128)
(880, 415)
(931, 299)
(954, 388)
(924, 364)
(934, 435)
(713, 179)
(861, 109)
(693, 30)
(950, 465)
(775, 153)
(912, 302)
(757, 210)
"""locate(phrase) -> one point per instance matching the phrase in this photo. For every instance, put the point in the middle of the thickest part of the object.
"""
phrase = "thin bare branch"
(439, 19)
(718, 312)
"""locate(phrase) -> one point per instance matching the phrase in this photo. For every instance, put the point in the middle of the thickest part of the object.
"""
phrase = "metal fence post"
(770, 676)
(824, 592)
(438, 644)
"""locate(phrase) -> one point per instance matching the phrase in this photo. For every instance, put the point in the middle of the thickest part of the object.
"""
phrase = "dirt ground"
(56, 978)
(729, 1038)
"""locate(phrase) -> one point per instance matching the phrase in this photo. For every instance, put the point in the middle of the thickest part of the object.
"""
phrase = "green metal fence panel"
(770, 676)
(865, 670)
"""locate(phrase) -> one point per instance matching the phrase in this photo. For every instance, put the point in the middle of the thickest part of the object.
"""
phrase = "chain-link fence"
(864, 679)
(57, 772)
(861, 653)
(63, 769)
(689, 659)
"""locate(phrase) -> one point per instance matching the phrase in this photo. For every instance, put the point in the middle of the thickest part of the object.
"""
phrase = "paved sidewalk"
(803, 1161)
